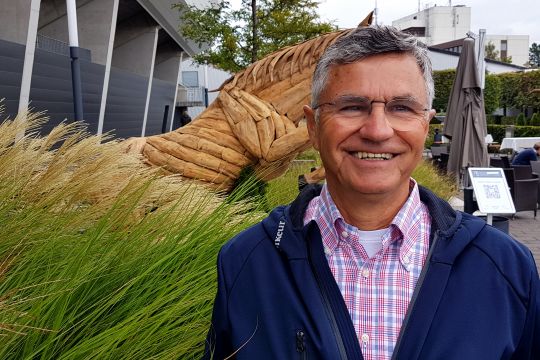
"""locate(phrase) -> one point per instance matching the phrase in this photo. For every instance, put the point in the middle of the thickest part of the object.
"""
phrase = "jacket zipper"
(415, 296)
(330, 313)
(301, 344)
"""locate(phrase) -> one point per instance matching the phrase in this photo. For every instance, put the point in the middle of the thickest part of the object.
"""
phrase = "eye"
(353, 107)
(400, 107)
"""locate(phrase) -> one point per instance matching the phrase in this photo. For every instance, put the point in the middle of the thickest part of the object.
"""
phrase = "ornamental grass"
(101, 257)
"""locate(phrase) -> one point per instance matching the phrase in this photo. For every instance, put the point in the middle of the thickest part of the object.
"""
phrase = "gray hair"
(368, 41)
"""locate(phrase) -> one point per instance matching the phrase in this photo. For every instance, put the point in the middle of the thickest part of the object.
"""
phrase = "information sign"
(491, 190)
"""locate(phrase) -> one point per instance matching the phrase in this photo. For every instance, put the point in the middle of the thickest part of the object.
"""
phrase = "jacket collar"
(285, 225)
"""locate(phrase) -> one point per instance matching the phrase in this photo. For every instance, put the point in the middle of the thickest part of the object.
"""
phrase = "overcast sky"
(498, 17)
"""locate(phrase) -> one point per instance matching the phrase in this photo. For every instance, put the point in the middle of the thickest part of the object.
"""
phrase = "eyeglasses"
(403, 114)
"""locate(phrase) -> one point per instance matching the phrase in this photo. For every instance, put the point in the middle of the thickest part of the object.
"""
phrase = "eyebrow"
(357, 98)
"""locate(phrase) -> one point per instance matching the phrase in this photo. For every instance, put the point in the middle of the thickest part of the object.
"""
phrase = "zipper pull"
(300, 341)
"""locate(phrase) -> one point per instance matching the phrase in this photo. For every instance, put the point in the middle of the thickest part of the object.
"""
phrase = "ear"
(312, 126)
(430, 116)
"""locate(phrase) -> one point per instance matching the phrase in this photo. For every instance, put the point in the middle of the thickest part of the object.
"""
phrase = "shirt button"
(406, 259)
(344, 234)
(365, 338)
(365, 273)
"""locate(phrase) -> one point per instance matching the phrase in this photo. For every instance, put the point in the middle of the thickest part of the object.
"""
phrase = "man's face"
(344, 144)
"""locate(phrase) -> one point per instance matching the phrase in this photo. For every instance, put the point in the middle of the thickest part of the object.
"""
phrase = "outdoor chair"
(526, 195)
(524, 192)
(506, 161)
(522, 172)
(497, 163)
(436, 151)
(535, 167)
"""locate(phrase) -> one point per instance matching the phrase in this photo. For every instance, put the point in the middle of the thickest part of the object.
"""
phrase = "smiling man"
(371, 265)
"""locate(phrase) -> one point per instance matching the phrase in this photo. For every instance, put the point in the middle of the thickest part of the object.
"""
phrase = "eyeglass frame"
(370, 103)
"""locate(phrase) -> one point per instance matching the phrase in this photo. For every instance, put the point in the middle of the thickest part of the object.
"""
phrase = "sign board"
(491, 190)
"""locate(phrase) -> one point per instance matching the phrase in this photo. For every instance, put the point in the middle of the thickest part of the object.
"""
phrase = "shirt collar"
(404, 228)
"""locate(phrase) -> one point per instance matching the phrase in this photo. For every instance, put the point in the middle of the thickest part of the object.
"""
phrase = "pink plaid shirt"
(377, 290)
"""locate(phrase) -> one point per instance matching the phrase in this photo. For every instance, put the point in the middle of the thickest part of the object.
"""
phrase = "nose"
(376, 127)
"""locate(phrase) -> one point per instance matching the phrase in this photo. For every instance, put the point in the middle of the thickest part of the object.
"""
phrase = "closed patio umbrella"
(465, 123)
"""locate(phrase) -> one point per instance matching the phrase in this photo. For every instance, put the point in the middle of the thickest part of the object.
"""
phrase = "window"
(504, 49)
(190, 78)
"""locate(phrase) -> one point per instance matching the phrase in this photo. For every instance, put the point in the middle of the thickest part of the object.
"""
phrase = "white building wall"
(517, 46)
(441, 23)
(447, 23)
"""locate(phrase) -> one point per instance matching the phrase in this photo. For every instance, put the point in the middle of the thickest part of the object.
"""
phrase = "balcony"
(191, 96)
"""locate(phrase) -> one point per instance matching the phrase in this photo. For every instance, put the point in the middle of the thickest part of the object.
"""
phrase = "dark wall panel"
(125, 103)
(51, 89)
(162, 96)
(11, 66)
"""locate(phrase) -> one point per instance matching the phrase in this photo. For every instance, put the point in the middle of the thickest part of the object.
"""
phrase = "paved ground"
(524, 227)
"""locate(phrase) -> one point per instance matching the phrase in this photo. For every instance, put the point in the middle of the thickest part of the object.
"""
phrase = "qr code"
(492, 192)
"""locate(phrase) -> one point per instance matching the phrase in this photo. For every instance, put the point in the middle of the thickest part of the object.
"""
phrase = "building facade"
(437, 24)
(130, 55)
(444, 27)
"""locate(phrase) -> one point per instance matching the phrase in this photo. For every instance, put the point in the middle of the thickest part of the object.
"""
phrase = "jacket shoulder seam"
(237, 275)
(499, 270)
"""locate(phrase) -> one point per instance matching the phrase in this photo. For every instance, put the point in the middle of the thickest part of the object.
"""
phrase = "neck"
(370, 211)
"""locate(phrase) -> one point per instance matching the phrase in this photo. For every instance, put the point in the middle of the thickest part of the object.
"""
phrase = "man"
(437, 137)
(371, 265)
(525, 156)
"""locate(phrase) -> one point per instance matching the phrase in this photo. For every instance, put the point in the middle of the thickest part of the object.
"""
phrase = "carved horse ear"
(367, 21)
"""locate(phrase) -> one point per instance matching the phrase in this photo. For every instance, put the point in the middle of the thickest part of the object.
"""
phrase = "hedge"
(506, 90)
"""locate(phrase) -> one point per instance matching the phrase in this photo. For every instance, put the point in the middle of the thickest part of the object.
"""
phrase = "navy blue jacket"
(524, 157)
(477, 296)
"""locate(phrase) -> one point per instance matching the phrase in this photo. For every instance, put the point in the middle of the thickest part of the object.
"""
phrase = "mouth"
(362, 155)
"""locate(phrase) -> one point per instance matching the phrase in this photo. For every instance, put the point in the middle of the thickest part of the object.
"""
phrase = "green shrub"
(508, 120)
(497, 132)
(535, 119)
(492, 93)
(527, 131)
(521, 120)
(443, 80)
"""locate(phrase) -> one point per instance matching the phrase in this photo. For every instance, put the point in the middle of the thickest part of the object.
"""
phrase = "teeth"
(373, 156)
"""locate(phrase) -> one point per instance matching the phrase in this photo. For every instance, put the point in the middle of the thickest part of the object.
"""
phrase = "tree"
(237, 38)
(507, 59)
(534, 55)
(490, 51)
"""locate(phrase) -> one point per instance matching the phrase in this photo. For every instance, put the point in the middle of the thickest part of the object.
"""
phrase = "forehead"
(384, 75)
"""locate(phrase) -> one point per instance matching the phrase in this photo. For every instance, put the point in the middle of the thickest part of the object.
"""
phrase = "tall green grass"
(99, 256)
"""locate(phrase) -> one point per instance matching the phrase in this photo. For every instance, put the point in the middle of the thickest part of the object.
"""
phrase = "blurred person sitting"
(525, 156)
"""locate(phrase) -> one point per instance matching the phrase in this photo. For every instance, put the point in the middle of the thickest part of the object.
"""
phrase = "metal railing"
(59, 47)
(191, 96)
